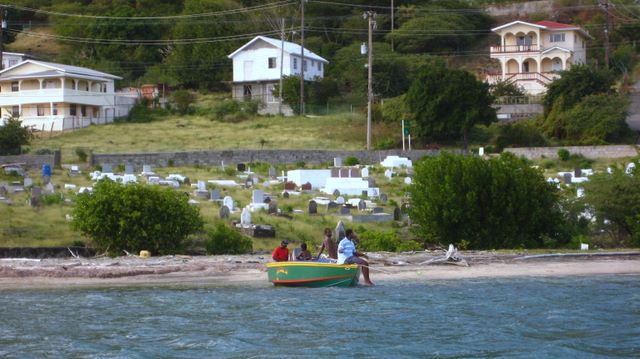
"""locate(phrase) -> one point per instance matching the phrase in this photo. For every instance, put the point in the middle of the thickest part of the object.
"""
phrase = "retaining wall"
(34, 161)
(231, 157)
(592, 152)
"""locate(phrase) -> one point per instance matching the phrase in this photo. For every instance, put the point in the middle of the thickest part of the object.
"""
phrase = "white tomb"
(396, 161)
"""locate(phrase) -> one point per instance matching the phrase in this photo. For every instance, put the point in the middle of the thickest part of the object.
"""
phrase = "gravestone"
(340, 200)
(335, 172)
(365, 172)
(578, 172)
(378, 210)
(289, 186)
(248, 183)
(36, 193)
(128, 169)
(224, 212)
(228, 201)
(202, 186)
(383, 198)
(340, 231)
(147, 170)
(306, 187)
(407, 180)
(362, 205)
(388, 173)
(187, 181)
(263, 231)
(313, 207)
(267, 200)
(49, 189)
(245, 217)
(3, 191)
(285, 195)
(214, 194)
(241, 167)
(567, 178)
(107, 168)
(273, 208)
(272, 172)
(345, 211)
(344, 172)
(365, 193)
(371, 182)
(397, 214)
(257, 196)
(337, 162)
(28, 182)
(354, 172)
(332, 205)
(74, 170)
(336, 193)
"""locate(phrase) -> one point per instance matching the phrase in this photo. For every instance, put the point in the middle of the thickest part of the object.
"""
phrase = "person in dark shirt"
(281, 253)
(304, 255)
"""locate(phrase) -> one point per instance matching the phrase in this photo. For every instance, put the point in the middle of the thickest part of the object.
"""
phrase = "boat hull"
(312, 274)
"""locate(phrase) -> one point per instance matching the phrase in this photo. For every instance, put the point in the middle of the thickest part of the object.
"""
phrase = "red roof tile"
(554, 25)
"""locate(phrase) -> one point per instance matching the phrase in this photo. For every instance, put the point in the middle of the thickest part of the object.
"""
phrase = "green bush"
(384, 144)
(182, 101)
(393, 109)
(351, 161)
(563, 154)
(140, 113)
(13, 136)
(135, 217)
(377, 241)
(51, 199)
(226, 240)
(521, 134)
(82, 154)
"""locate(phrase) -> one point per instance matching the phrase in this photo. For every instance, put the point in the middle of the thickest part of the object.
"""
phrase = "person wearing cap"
(347, 254)
(281, 253)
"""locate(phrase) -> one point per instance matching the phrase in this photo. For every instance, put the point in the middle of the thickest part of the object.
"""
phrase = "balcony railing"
(542, 77)
(515, 48)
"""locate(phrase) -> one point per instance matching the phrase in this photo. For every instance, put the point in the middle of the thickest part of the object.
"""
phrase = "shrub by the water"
(225, 240)
(135, 217)
(376, 241)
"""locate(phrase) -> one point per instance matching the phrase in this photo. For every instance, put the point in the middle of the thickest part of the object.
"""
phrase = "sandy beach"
(245, 270)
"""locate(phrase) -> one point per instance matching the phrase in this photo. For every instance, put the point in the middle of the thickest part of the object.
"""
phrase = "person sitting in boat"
(304, 254)
(347, 254)
(329, 244)
(281, 253)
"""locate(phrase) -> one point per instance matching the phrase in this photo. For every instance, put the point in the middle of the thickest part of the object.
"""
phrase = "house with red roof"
(532, 54)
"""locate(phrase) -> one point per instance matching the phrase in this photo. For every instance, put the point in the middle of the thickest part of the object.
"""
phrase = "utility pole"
(281, 64)
(2, 26)
(370, 15)
(302, 57)
(607, 27)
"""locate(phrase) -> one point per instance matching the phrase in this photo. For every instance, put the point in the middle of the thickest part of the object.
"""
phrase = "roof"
(545, 25)
(61, 70)
(289, 47)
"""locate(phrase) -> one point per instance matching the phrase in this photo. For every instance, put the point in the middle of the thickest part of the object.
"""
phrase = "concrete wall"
(587, 151)
(231, 157)
(33, 161)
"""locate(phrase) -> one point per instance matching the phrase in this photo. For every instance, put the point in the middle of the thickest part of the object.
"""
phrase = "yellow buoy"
(145, 254)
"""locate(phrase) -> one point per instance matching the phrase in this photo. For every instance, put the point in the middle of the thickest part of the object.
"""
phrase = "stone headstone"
(214, 194)
(289, 186)
(267, 200)
(344, 172)
(74, 170)
(285, 195)
(378, 210)
(257, 196)
(397, 214)
(202, 186)
(36, 193)
(335, 172)
(272, 172)
(340, 231)
(365, 172)
(340, 200)
(107, 168)
(306, 187)
(28, 182)
(337, 162)
(407, 180)
(228, 201)
(241, 167)
(336, 193)
(388, 173)
(345, 211)
(313, 207)
(128, 169)
(245, 217)
(187, 181)
(3, 191)
(332, 205)
(362, 205)
(273, 208)
(566, 178)
(49, 189)
(577, 172)
(147, 169)
(354, 172)
(384, 198)
(371, 182)
(580, 192)
(224, 212)
(365, 193)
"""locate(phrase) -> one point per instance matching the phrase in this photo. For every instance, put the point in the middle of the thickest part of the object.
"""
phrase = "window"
(295, 63)
(83, 110)
(40, 110)
(556, 38)
(48, 84)
(319, 66)
(247, 92)
(15, 111)
(54, 109)
(304, 65)
(272, 62)
(73, 110)
(15, 87)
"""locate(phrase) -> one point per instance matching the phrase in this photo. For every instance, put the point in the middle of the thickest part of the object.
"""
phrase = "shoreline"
(249, 270)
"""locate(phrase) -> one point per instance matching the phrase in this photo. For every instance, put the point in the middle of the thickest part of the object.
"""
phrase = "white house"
(50, 96)
(532, 54)
(13, 58)
(256, 68)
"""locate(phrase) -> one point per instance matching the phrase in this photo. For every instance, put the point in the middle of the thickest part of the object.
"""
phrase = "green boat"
(312, 274)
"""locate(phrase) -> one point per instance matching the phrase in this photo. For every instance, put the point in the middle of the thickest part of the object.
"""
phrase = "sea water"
(577, 317)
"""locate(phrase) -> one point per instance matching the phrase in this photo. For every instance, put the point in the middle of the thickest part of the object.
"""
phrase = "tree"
(597, 119)
(182, 99)
(614, 199)
(575, 84)
(13, 136)
(226, 240)
(448, 103)
(506, 88)
(134, 217)
(497, 203)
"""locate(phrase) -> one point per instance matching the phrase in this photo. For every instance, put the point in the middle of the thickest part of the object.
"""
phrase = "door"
(248, 71)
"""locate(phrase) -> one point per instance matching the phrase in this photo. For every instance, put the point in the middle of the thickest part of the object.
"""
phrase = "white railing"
(514, 48)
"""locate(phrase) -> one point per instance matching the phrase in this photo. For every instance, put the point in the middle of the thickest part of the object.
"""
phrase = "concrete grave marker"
(267, 200)
(285, 195)
(378, 210)
(306, 187)
(245, 217)
(241, 167)
(362, 205)
(214, 194)
(337, 162)
(272, 172)
(397, 214)
(257, 196)
(36, 193)
(577, 172)
(340, 200)
(354, 172)
(335, 172)
(365, 172)
(202, 186)
(340, 231)
(313, 207)
(224, 212)
(388, 173)
(128, 169)
(49, 189)
(228, 201)
(273, 208)
(147, 170)
(289, 186)
(28, 182)
(345, 211)
(344, 172)
(107, 168)
(567, 178)
(383, 198)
